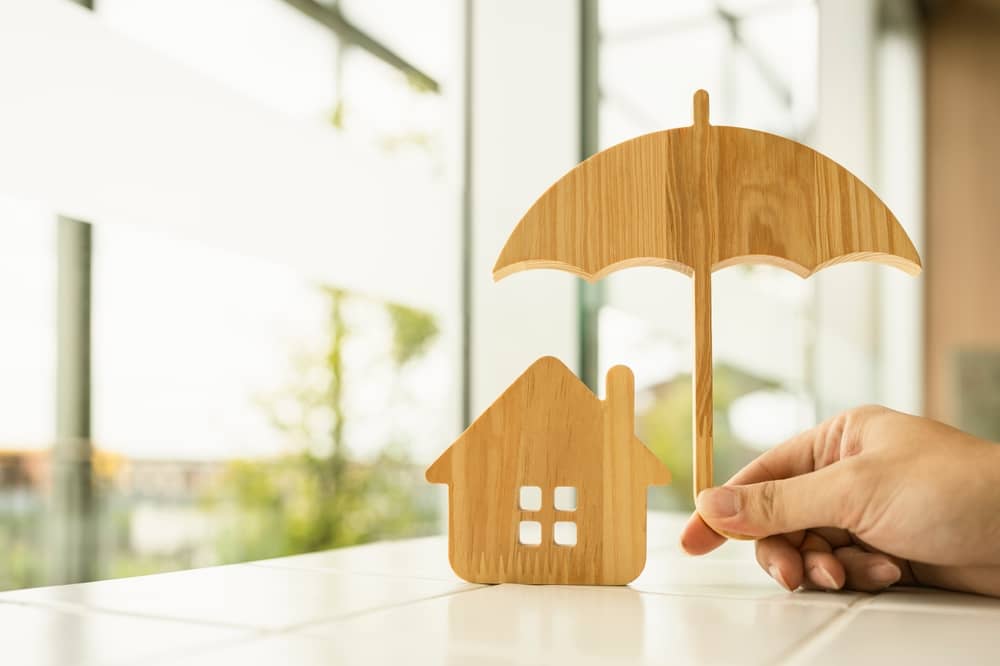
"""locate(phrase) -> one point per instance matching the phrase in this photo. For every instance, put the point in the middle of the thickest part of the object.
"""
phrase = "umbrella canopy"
(700, 198)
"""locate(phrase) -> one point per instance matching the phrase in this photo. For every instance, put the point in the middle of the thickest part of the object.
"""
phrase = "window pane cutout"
(565, 498)
(530, 498)
(529, 533)
(564, 533)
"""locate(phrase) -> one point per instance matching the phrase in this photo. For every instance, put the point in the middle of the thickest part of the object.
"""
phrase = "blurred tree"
(417, 137)
(21, 541)
(413, 332)
(319, 497)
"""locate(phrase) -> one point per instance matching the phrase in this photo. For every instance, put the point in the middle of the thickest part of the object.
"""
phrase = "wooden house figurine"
(549, 484)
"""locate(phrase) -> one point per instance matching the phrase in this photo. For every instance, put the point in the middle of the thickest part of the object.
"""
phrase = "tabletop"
(399, 602)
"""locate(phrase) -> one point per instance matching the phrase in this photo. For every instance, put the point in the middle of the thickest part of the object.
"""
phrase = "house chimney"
(621, 392)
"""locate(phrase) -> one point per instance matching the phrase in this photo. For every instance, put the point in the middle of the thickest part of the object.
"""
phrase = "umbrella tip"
(701, 108)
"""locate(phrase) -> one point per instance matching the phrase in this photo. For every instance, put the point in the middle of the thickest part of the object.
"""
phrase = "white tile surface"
(663, 532)
(243, 595)
(916, 599)
(731, 572)
(715, 577)
(414, 558)
(550, 625)
(399, 603)
(38, 636)
(909, 637)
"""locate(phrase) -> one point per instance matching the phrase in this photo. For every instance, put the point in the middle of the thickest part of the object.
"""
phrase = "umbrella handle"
(701, 385)
(701, 381)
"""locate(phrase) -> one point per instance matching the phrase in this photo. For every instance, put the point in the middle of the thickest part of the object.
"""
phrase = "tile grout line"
(830, 628)
(367, 611)
(296, 630)
(84, 609)
(776, 599)
(374, 574)
(918, 607)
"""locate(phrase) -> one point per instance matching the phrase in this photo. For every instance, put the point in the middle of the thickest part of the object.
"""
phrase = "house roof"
(565, 387)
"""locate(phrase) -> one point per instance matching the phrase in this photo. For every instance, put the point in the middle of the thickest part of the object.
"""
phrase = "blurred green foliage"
(305, 502)
(21, 542)
(413, 332)
(317, 497)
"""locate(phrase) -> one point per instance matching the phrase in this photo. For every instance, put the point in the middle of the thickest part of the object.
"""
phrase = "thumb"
(816, 499)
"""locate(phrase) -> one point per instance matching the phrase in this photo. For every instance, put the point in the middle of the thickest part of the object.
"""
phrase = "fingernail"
(775, 573)
(717, 503)
(884, 573)
(824, 577)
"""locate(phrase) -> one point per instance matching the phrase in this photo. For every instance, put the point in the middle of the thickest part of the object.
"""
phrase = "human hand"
(865, 500)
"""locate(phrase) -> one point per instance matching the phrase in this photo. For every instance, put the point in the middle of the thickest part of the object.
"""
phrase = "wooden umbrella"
(697, 199)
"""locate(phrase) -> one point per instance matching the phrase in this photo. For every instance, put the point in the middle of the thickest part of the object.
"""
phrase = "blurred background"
(245, 250)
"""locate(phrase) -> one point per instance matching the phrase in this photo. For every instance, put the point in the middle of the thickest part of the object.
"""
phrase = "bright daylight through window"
(232, 402)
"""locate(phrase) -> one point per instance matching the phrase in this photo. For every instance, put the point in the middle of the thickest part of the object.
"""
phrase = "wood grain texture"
(702, 198)
(547, 430)
(697, 199)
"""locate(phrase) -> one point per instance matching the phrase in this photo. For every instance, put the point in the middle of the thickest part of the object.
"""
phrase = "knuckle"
(850, 444)
(867, 411)
(767, 502)
(855, 424)
(862, 417)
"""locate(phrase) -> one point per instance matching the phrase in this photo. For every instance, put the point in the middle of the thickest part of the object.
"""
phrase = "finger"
(813, 449)
(867, 572)
(812, 541)
(817, 499)
(790, 458)
(804, 453)
(823, 570)
(697, 538)
(835, 537)
(781, 560)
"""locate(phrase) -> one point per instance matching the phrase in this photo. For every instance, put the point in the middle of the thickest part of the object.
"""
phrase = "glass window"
(248, 413)
(758, 62)
(240, 408)
(264, 49)
(27, 295)
(27, 387)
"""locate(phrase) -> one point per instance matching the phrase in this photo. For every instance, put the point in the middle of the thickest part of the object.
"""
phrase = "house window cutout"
(529, 533)
(565, 498)
(564, 533)
(530, 498)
